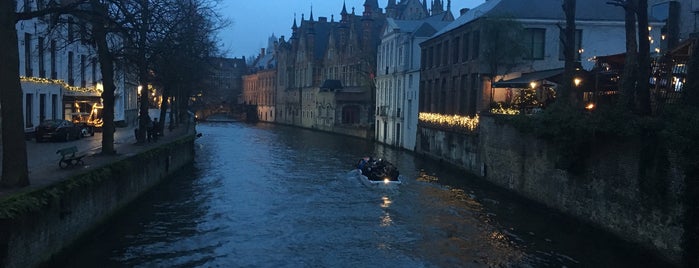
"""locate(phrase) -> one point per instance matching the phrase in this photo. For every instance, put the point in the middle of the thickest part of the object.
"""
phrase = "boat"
(377, 172)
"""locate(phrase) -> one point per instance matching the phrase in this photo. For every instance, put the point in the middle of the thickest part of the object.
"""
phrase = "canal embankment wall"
(608, 190)
(37, 225)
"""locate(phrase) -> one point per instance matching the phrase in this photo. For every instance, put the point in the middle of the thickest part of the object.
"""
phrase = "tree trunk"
(107, 68)
(143, 76)
(691, 89)
(643, 86)
(15, 172)
(630, 75)
(163, 111)
(567, 91)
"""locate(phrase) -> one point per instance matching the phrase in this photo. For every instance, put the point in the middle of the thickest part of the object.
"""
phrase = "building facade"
(398, 78)
(259, 86)
(224, 88)
(327, 69)
(457, 68)
(60, 74)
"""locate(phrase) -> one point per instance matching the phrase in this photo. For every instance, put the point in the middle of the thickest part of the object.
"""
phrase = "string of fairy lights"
(41, 80)
(451, 121)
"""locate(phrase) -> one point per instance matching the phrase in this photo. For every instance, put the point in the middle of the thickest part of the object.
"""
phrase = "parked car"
(58, 129)
(85, 129)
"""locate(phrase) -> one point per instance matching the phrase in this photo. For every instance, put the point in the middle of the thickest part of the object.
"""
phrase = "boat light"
(386, 180)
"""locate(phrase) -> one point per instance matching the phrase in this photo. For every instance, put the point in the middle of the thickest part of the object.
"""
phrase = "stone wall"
(453, 147)
(607, 192)
(46, 221)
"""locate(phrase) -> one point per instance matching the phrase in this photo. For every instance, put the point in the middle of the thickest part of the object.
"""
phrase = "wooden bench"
(70, 157)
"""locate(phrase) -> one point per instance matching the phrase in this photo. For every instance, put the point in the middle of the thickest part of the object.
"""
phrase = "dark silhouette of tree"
(568, 95)
(635, 87)
(15, 172)
(503, 48)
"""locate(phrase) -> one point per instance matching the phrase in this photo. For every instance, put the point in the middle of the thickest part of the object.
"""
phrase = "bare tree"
(503, 46)
(567, 91)
(13, 146)
(15, 172)
(635, 88)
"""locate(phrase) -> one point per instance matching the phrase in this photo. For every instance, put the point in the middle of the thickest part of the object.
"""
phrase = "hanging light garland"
(41, 80)
(457, 122)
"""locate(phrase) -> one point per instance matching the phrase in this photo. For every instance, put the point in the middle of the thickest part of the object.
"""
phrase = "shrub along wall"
(35, 226)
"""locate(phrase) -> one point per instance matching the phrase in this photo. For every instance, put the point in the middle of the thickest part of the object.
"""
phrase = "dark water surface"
(274, 196)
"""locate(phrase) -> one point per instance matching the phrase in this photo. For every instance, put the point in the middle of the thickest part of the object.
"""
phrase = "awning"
(34, 87)
(525, 80)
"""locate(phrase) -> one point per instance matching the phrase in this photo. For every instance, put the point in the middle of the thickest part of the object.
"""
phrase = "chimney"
(464, 10)
(262, 51)
(322, 19)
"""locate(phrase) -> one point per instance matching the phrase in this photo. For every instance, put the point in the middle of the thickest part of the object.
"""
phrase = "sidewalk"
(42, 159)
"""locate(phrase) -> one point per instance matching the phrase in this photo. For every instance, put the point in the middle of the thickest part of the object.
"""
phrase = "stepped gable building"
(326, 70)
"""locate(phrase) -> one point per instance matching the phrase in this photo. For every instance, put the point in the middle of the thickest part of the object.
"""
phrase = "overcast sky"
(253, 21)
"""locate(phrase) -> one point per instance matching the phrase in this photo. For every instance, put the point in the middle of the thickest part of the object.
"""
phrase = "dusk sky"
(253, 21)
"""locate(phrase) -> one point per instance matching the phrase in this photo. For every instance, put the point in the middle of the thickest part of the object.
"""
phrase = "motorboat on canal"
(378, 172)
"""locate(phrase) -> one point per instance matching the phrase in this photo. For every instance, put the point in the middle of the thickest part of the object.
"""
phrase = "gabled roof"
(588, 10)
(423, 28)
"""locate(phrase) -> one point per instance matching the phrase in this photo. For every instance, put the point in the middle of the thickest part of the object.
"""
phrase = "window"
(476, 45)
(473, 101)
(27, 54)
(70, 29)
(430, 56)
(82, 71)
(42, 68)
(54, 72)
(438, 55)
(28, 110)
(350, 115)
(71, 81)
(93, 63)
(578, 45)
(467, 46)
(445, 53)
(534, 43)
(54, 106)
(42, 107)
(456, 49)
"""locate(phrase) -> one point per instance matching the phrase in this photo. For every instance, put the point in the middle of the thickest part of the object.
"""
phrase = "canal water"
(274, 196)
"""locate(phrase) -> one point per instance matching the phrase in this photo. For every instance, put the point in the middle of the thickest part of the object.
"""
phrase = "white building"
(60, 74)
(397, 90)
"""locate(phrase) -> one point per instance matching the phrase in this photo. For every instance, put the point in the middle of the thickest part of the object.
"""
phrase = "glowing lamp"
(577, 81)
(590, 106)
(533, 84)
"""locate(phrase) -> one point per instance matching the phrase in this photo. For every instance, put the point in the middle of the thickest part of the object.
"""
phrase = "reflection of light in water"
(386, 220)
(386, 217)
(386, 202)
(423, 176)
(498, 237)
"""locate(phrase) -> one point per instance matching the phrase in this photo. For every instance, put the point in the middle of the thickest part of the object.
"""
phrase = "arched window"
(350, 114)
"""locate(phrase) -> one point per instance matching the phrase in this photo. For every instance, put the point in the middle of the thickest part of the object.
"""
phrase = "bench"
(70, 157)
